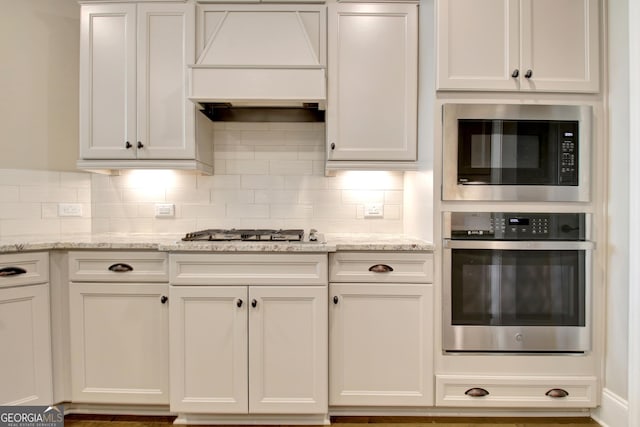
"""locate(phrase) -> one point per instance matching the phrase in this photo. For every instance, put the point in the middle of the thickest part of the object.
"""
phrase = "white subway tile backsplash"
(362, 196)
(232, 196)
(203, 211)
(74, 225)
(275, 152)
(9, 193)
(276, 196)
(267, 175)
(144, 194)
(188, 195)
(244, 210)
(21, 211)
(291, 167)
(29, 201)
(263, 182)
(247, 167)
(48, 193)
(219, 181)
(291, 211)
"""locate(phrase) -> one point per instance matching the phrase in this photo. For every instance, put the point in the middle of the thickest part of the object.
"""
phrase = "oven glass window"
(518, 287)
(508, 152)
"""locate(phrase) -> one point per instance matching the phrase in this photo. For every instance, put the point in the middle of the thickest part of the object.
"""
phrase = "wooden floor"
(135, 421)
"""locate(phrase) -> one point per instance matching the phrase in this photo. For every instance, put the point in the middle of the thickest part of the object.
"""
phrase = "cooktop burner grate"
(257, 235)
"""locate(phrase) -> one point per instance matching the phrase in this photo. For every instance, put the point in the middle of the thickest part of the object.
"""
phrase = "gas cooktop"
(250, 235)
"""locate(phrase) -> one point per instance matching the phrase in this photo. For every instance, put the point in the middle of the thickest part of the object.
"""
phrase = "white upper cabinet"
(373, 84)
(518, 45)
(133, 103)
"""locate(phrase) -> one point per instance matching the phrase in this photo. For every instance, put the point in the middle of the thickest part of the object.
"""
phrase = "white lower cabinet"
(25, 333)
(381, 334)
(119, 328)
(259, 348)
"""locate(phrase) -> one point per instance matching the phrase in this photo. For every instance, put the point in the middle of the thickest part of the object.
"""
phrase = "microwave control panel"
(517, 226)
(568, 144)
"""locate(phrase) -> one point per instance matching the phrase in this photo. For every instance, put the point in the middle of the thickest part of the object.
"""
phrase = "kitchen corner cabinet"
(119, 316)
(248, 334)
(134, 110)
(518, 45)
(373, 85)
(25, 331)
(381, 329)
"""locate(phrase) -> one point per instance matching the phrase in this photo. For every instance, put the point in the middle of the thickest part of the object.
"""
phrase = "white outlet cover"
(373, 210)
(69, 209)
(165, 210)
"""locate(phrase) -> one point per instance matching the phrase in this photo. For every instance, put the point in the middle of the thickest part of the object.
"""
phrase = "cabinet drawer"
(533, 391)
(106, 266)
(248, 269)
(24, 269)
(386, 267)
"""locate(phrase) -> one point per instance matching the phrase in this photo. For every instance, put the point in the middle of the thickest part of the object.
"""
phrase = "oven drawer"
(26, 268)
(118, 266)
(516, 391)
(381, 267)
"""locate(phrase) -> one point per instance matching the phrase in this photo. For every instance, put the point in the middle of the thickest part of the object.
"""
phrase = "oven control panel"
(514, 226)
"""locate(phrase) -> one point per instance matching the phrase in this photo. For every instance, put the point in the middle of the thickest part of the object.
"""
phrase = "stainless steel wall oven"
(516, 282)
(516, 152)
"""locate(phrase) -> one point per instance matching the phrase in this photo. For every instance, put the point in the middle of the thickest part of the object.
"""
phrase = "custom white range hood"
(260, 55)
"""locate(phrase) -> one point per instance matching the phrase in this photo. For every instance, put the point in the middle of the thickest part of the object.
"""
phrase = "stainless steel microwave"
(515, 152)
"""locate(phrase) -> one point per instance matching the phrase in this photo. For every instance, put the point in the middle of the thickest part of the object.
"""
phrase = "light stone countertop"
(172, 243)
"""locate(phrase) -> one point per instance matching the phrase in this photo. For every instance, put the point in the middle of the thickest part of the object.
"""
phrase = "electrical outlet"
(165, 210)
(69, 209)
(373, 210)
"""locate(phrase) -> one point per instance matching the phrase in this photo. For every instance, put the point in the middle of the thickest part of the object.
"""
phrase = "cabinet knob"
(239, 302)
(11, 271)
(164, 299)
(333, 145)
(381, 268)
(476, 392)
(254, 303)
(528, 74)
(120, 267)
(557, 393)
(140, 144)
(335, 299)
(127, 145)
(515, 73)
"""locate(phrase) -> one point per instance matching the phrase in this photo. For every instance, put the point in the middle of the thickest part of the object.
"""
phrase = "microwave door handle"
(517, 245)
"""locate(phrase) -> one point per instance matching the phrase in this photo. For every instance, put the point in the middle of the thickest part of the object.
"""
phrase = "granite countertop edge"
(333, 242)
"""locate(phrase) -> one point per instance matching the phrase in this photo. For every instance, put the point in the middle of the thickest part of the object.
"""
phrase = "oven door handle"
(519, 245)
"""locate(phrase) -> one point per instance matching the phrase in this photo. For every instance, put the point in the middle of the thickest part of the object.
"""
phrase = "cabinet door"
(166, 45)
(25, 337)
(119, 343)
(108, 81)
(288, 350)
(209, 349)
(478, 44)
(560, 45)
(373, 84)
(381, 344)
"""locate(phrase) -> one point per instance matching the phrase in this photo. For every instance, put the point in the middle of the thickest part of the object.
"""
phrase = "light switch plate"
(69, 209)
(165, 210)
(373, 210)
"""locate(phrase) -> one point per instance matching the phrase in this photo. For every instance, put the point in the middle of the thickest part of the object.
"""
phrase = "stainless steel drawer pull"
(476, 392)
(11, 271)
(557, 393)
(381, 268)
(120, 268)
